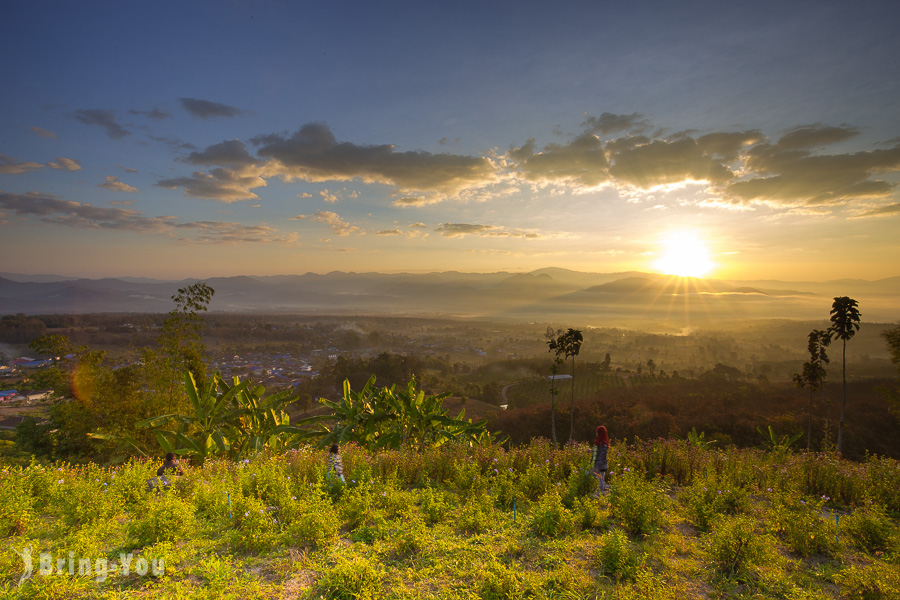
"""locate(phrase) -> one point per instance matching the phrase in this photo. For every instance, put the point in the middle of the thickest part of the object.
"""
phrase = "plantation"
(682, 520)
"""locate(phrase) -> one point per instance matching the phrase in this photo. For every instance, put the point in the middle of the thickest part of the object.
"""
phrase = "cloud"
(204, 109)
(9, 166)
(788, 173)
(464, 229)
(53, 210)
(608, 123)
(882, 211)
(313, 154)
(389, 232)
(646, 163)
(154, 113)
(222, 184)
(65, 164)
(581, 162)
(228, 153)
(44, 133)
(328, 196)
(111, 182)
(105, 119)
(333, 220)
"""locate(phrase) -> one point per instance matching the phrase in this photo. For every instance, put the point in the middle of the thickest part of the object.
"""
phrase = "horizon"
(539, 137)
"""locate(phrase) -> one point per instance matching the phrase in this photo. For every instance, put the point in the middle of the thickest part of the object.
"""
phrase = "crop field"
(680, 521)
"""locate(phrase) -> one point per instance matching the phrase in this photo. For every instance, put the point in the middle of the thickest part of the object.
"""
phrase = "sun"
(685, 255)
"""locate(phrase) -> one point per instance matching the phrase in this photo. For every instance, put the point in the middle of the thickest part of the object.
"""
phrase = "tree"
(844, 325)
(567, 344)
(892, 339)
(813, 374)
(604, 366)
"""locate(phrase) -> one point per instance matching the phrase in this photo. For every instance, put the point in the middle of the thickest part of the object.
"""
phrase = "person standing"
(598, 456)
(334, 463)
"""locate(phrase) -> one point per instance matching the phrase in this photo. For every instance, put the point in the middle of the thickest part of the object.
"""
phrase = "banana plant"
(211, 430)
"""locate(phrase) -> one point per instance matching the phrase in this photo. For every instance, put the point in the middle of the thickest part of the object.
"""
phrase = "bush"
(799, 525)
(549, 518)
(734, 545)
(617, 557)
(352, 579)
(315, 523)
(706, 499)
(16, 504)
(435, 506)
(869, 529)
(638, 503)
(872, 582)
(169, 518)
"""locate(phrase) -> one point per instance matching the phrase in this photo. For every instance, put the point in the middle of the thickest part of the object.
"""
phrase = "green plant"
(777, 443)
(868, 528)
(617, 557)
(734, 545)
(637, 502)
(168, 518)
(355, 578)
(869, 582)
(799, 525)
(435, 505)
(550, 518)
(707, 498)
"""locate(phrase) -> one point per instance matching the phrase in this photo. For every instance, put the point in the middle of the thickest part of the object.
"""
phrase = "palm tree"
(844, 324)
(567, 344)
(813, 374)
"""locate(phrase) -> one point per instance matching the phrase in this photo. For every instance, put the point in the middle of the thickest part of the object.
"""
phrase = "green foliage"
(869, 529)
(637, 503)
(708, 498)
(869, 582)
(388, 417)
(167, 518)
(698, 440)
(777, 443)
(16, 504)
(799, 524)
(734, 545)
(550, 518)
(355, 578)
(617, 557)
(435, 505)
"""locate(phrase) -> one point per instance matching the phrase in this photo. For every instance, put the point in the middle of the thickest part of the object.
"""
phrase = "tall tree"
(813, 374)
(568, 344)
(892, 339)
(844, 325)
(552, 336)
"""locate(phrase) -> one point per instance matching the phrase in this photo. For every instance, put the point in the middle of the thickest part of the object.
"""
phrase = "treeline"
(728, 412)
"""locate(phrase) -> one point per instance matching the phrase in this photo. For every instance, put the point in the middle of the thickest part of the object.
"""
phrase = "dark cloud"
(608, 123)
(314, 154)
(882, 211)
(105, 119)
(663, 162)
(50, 209)
(581, 162)
(44, 133)
(229, 153)
(204, 109)
(154, 113)
(223, 184)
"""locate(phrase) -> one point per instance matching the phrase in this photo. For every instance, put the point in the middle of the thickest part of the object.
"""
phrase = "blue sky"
(222, 138)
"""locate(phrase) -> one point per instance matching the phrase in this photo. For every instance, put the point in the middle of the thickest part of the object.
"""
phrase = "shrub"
(169, 518)
(734, 545)
(799, 525)
(706, 499)
(352, 579)
(638, 503)
(254, 526)
(869, 528)
(536, 480)
(873, 582)
(617, 557)
(549, 518)
(476, 515)
(435, 506)
(315, 523)
(499, 582)
(587, 513)
(16, 504)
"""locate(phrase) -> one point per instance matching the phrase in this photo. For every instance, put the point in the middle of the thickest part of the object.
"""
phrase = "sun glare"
(685, 256)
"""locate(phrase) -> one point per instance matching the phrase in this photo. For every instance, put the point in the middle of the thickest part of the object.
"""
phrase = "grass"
(458, 523)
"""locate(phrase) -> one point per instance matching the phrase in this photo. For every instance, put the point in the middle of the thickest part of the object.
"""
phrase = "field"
(682, 520)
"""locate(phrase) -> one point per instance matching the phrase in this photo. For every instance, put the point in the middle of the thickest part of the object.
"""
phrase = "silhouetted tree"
(813, 374)
(844, 325)
(568, 344)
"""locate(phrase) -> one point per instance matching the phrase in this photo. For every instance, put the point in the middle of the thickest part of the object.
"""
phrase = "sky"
(743, 141)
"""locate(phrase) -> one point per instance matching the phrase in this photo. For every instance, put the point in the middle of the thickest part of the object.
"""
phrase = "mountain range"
(550, 294)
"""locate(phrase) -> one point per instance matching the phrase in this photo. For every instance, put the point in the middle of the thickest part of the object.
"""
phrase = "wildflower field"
(680, 521)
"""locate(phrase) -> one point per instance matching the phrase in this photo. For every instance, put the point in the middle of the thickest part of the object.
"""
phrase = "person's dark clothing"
(169, 469)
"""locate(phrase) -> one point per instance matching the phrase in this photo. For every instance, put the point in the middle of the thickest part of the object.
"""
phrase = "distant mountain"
(544, 295)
